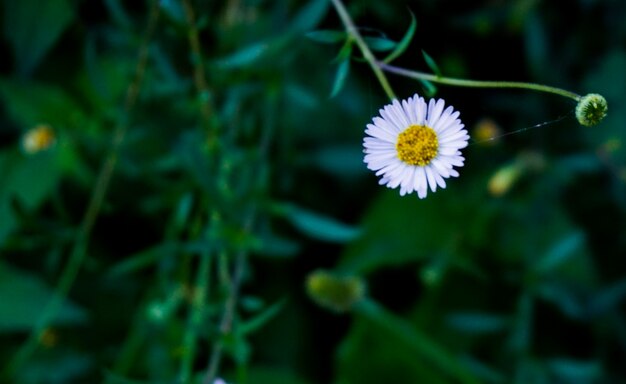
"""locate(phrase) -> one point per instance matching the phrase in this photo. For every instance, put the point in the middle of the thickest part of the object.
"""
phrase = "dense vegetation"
(183, 195)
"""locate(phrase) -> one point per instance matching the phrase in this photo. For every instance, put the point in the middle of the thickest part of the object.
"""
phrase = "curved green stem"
(475, 83)
(367, 53)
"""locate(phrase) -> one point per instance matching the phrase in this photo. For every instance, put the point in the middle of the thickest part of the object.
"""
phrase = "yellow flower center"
(417, 145)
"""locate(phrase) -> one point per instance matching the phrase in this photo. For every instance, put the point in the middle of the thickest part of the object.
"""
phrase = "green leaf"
(143, 259)
(404, 43)
(30, 103)
(429, 88)
(568, 370)
(32, 27)
(272, 245)
(174, 11)
(477, 322)
(431, 63)
(609, 298)
(316, 225)
(23, 296)
(309, 16)
(244, 57)
(29, 179)
(262, 318)
(340, 77)
(379, 44)
(566, 248)
(60, 366)
(327, 36)
(345, 162)
(404, 332)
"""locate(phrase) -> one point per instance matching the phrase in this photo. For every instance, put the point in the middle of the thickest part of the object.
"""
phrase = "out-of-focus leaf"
(56, 368)
(483, 371)
(575, 371)
(309, 16)
(252, 325)
(429, 88)
(173, 10)
(32, 27)
(609, 298)
(30, 104)
(183, 210)
(399, 230)
(327, 36)
(404, 43)
(521, 334)
(273, 375)
(421, 343)
(385, 356)
(561, 252)
(29, 179)
(143, 259)
(562, 296)
(272, 245)
(431, 63)
(477, 323)
(245, 56)
(379, 44)
(340, 76)
(118, 13)
(316, 225)
(536, 44)
(23, 297)
(345, 162)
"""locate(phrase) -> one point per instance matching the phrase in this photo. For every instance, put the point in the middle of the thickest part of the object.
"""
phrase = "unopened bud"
(338, 293)
(591, 109)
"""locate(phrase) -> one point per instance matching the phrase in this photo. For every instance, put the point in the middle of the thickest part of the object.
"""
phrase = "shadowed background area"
(183, 196)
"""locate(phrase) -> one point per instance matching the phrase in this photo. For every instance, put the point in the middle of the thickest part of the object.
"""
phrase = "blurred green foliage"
(211, 224)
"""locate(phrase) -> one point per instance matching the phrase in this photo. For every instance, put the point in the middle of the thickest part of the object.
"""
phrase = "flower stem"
(367, 53)
(475, 83)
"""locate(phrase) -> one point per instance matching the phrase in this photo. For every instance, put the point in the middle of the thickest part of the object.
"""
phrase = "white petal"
(431, 179)
(434, 111)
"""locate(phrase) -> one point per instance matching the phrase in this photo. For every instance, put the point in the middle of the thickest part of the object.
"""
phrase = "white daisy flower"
(415, 146)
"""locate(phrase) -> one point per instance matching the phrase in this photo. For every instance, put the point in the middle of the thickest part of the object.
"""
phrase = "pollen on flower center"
(417, 145)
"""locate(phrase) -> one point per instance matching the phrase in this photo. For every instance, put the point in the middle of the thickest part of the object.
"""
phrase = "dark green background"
(463, 287)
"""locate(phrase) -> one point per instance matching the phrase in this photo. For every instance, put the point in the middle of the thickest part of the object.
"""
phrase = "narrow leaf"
(477, 323)
(244, 57)
(309, 16)
(340, 77)
(404, 43)
(327, 36)
(380, 44)
(431, 63)
(561, 252)
(316, 225)
(429, 88)
(262, 318)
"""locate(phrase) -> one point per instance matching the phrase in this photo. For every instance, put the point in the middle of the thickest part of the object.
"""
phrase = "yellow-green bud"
(338, 293)
(591, 109)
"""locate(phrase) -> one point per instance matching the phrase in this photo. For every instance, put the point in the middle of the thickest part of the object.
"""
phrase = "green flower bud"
(591, 109)
(337, 293)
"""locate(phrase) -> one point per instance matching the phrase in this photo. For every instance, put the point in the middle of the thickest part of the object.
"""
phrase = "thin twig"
(230, 306)
(92, 211)
(352, 30)
(199, 74)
